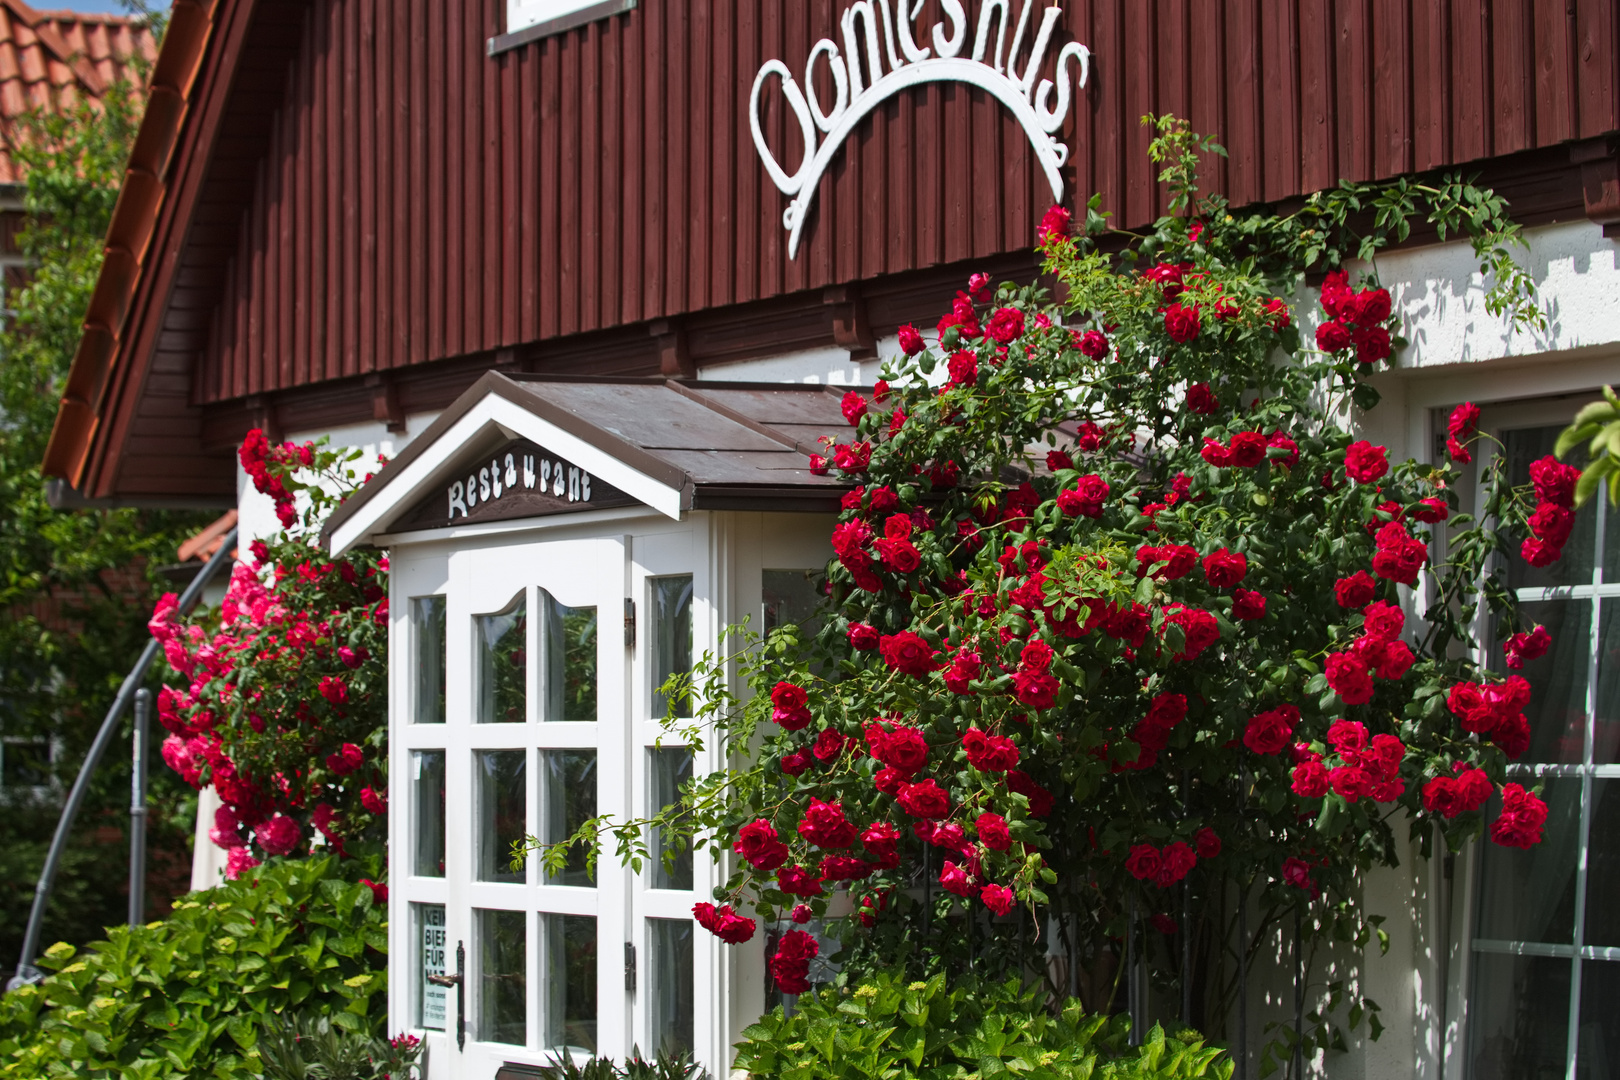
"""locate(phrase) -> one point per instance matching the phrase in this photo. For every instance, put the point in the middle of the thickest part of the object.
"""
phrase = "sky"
(113, 7)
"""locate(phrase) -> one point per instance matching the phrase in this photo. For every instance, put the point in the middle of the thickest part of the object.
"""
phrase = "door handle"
(459, 982)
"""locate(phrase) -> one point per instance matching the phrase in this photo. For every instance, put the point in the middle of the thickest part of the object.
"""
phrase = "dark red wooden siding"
(420, 200)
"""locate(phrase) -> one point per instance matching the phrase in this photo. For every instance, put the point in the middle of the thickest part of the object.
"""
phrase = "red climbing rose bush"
(278, 699)
(1125, 621)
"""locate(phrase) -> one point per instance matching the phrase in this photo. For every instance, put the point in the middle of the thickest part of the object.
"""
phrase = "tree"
(74, 586)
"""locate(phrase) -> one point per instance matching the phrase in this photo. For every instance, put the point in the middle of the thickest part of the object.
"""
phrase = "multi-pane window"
(1545, 994)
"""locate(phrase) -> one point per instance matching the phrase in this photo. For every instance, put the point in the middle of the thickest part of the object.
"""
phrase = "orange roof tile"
(49, 58)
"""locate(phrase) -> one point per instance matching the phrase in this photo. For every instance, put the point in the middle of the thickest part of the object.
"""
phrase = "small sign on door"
(433, 957)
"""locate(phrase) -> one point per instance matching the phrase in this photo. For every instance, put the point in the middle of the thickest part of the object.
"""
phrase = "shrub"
(304, 1047)
(890, 1027)
(187, 996)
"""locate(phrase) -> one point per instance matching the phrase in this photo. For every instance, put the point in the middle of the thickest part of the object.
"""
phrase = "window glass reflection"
(671, 1005)
(502, 643)
(568, 666)
(669, 768)
(502, 812)
(427, 793)
(427, 624)
(501, 1001)
(671, 641)
(1518, 1024)
(570, 966)
(567, 801)
(1558, 681)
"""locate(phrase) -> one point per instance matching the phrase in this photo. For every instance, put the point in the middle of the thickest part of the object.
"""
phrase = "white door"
(535, 738)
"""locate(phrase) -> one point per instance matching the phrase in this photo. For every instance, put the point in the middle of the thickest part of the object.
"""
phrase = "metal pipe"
(27, 973)
(137, 809)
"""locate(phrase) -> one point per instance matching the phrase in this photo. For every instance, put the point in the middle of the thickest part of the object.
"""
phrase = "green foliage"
(1598, 424)
(665, 1066)
(188, 996)
(303, 1047)
(74, 587)
(888, 1027)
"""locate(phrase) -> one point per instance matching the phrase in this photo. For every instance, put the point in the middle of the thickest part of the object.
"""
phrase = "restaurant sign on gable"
(519, 480)
(865, 75)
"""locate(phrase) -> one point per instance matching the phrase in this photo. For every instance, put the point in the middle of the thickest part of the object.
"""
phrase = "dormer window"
(530, 20)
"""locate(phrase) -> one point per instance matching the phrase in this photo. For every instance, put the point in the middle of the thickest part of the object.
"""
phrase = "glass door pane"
(502, 991)
(671, 641)
(570, 964)
(669, 768)
(502, 643)
(427, 785)
(428, 624)
(432, 958)
(1528, 895)
(502, 812)
(1518, 1025)
(670, 1008)
(567, 801)
(568, 661)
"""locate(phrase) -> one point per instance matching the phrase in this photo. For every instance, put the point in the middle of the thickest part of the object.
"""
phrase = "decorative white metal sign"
(856, 92)
(492, 481)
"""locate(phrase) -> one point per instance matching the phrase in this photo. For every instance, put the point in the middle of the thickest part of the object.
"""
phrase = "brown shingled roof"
(49, 58)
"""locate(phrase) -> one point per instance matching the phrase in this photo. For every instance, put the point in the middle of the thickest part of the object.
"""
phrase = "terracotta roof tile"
(50, 59)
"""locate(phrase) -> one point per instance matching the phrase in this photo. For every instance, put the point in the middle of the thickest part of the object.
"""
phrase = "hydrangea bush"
(1125, 622)
(280, 698)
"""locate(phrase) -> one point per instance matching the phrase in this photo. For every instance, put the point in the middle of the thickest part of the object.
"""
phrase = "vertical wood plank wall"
(420, 199)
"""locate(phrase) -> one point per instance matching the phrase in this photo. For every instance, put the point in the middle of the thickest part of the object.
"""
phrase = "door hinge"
(629, 967)
(629, 623)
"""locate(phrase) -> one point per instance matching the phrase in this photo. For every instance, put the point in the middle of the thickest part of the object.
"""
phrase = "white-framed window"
(1542, 963)
(530, 20)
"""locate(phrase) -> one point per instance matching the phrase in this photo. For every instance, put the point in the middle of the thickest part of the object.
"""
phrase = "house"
(549, 256)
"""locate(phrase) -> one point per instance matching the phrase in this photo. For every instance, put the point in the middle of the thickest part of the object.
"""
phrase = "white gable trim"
(494, 412)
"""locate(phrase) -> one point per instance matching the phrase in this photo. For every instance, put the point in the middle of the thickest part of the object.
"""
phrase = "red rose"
(998, 898)
(1271, 731)
(1225, 568)
(1355, 591)
(979, 288)
(758, 845)
(795, 763)
(1395, 660)
(1368, 307)
(1474, 788)
(1280, 315)
(1431, 510)
(1167, 276)
(1297, 872)
(1181, 322)
(1383, 620)
(963, 367)
(1399, 556)
(1468, 704)
(1538, 553)
(853, 407)
(1281, 441)
(966, 666)
(925, 800)
(1089, 494)
(1179, 559)
(1348, 676)
(1005, 325)
(900, 556)
(1199, 631)
(791, 965)
(907, 653)
(1526, 646)
(1058, 459)
(1201, 399)
(890, 780)
(797, 881)
(1175, 862)
(1552, 524)
(954, 879)
(374, 801)
(1523, 815)
(333, 690)
(1555, 482)
(723, 923)
(1512, 735)
(1248, 449)
(1372, 344)
(1248, 606)
(818, 465)
(1464, 421)
(346, 760)
(899, 747)
(1037, 689)
(1441, 796)
(829, 744)
(993, 832)
(863, 637)
(911, 342)
(845, 868)
(989, 753)
(1332, 337)
(852, 457)
(789, 706)
(1093, 344)
(1143, 862)
(1054, 225)
(1207, 843)
(279, 836)
(1215, 453)
(1364, 462)
(1310, 780)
